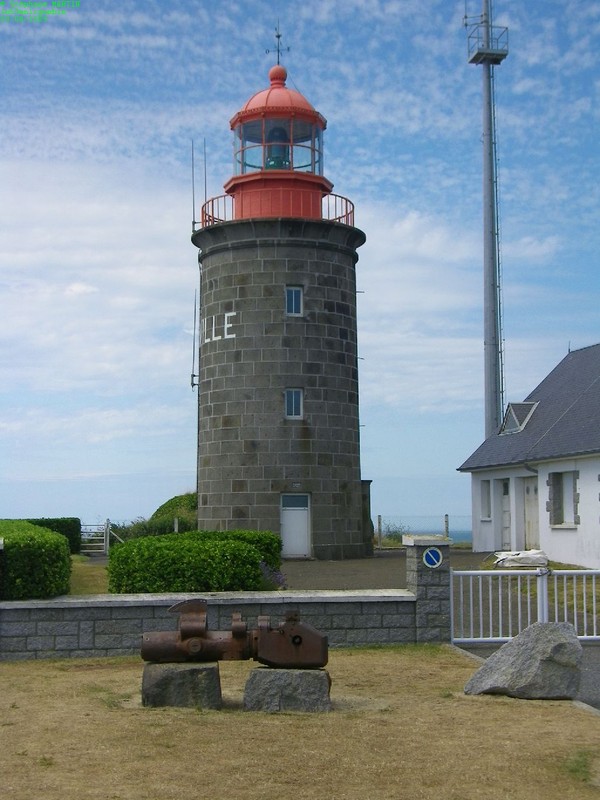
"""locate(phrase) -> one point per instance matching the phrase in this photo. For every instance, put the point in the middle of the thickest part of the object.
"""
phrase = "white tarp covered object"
(521, 558)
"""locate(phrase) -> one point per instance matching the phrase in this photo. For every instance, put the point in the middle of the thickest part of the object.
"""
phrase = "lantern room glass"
(278, 144)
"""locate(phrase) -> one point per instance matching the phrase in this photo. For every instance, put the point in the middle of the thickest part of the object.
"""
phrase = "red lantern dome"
(278, 154)
(278, 98)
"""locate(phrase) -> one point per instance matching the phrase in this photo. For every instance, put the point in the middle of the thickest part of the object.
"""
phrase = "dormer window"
(516, 417)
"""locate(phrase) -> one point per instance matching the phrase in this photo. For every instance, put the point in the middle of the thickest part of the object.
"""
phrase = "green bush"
(68, 526)
(151, 527)
(183, 506)
(35, 562)
(183, 563)
(266, 542)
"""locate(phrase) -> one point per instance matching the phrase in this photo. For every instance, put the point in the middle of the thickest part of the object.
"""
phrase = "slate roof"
(565, 423)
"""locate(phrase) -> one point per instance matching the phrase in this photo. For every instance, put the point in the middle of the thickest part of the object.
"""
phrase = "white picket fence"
(492, 606)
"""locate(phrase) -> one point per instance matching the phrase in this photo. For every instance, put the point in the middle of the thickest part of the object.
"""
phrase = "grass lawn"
(401, 729)
(88, 577)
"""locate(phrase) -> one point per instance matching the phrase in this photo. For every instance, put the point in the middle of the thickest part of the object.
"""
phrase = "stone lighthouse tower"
(278, 428)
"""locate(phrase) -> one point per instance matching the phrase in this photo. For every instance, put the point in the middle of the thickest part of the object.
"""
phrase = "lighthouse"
(278, 411)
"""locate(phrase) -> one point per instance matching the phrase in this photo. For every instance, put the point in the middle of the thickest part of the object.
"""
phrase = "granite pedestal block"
(287, 690)
(182, 685)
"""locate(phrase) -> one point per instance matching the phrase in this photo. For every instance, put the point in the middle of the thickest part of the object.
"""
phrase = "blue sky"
(97, 272)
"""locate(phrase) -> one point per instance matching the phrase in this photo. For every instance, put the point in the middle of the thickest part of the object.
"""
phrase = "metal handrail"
(484, 38)
(494, 605)
(334, 208)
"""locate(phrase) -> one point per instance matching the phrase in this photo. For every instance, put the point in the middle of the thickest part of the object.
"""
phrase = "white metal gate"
(490, 606)
(95, 538)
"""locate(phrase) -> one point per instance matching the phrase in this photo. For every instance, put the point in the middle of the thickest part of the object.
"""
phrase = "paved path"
(386, 570)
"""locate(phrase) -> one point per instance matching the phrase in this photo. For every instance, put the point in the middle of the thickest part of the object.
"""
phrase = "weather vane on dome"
(280, 49)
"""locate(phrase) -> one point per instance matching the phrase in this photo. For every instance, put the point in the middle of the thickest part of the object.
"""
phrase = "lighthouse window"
(277, 141)
(307, 147)
(293, 403)
(293, 301)
(248, 147)
(286, 144)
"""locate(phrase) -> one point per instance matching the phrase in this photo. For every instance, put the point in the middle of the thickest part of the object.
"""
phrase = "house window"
(516, 417)
(563, 498)
(293, 403)
(294, 301)
(486, 499)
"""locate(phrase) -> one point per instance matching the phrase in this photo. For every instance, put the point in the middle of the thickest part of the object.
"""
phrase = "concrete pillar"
(428, 577)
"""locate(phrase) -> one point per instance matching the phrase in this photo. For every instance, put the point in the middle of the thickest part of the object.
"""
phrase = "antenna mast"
(205, 187)
(194, 374)
(488, 47)
(194, 221)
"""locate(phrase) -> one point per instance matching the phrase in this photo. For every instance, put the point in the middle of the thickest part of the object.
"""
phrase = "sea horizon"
(459, 525)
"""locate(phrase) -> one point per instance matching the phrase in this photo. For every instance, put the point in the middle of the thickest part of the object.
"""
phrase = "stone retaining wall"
(112, 625)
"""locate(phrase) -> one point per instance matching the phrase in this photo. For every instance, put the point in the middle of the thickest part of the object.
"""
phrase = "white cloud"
(92, 425)
(417, 338)
(102, 290)
(79, 288)
(529, 248)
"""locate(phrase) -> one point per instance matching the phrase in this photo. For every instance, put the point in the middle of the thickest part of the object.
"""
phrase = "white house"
(535, 483)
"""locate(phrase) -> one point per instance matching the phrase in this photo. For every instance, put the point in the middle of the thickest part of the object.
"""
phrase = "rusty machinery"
(291, 645)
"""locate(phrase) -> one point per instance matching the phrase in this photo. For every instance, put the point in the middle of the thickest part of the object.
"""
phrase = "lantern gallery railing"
(335, 208)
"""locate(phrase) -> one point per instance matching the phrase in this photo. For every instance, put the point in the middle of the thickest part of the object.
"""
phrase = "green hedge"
(35, 562)
(267, 543)
(183, 563)
(67, 526)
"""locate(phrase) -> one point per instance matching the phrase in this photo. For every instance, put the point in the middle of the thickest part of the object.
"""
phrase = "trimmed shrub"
(68, 526)
(266, 542)
(35, 562)
(183, 563)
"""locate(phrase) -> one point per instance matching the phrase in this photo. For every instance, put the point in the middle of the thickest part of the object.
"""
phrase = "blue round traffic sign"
(432, 557)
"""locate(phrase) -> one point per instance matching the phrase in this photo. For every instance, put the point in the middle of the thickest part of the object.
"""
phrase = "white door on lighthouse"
(295, 525)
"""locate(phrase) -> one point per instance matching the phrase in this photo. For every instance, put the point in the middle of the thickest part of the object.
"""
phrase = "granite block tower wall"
(278, 428)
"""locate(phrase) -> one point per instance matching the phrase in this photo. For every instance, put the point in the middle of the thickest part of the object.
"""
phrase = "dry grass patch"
(402, 728)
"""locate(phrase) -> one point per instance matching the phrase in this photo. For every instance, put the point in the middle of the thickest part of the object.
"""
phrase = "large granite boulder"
(287, 690)
(542, 663)
(182, 685)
